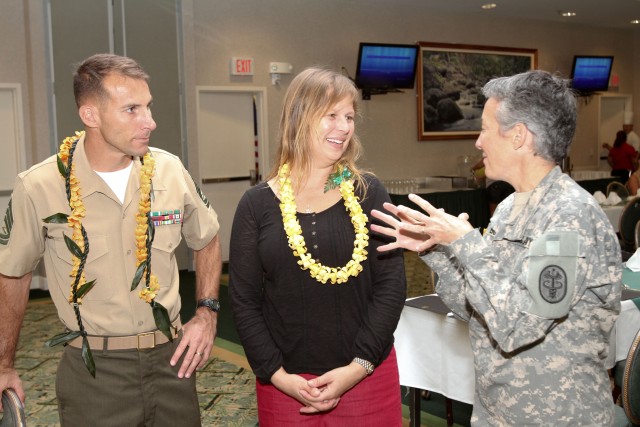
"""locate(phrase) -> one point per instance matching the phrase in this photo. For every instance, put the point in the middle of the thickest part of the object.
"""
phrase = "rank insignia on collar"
(5, 233)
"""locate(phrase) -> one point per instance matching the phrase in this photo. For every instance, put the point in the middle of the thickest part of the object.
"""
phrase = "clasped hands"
(322, 393)
(418, 231)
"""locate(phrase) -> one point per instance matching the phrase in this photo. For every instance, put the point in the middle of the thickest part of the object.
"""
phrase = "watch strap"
(210, 303)
(368, 366)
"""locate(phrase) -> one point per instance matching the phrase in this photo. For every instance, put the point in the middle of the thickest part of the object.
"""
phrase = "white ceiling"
(602, 13)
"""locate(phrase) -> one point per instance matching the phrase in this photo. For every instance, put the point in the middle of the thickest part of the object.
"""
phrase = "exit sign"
(241, 66)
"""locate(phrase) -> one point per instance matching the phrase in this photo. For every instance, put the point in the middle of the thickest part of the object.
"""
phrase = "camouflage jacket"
(537, 363)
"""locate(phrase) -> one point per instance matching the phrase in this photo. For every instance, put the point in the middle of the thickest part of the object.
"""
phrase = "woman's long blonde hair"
(309, 97)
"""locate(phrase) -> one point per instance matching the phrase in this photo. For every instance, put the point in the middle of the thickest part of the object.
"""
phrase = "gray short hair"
(544, 103)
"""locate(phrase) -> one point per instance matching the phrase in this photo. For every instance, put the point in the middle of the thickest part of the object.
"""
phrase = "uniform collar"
(91, 183)
(517, 228)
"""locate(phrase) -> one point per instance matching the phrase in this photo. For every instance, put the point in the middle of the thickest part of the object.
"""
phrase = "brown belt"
(142, 341)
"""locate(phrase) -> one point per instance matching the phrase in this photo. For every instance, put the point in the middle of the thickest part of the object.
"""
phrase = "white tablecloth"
(613, 213)
(434, 351)
(587, 175)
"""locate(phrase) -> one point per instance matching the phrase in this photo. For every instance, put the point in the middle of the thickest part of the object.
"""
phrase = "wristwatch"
(211, 304)
(368, 366)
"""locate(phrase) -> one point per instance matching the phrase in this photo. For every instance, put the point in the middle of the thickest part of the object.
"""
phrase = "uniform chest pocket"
(166, 240)
(97, 261)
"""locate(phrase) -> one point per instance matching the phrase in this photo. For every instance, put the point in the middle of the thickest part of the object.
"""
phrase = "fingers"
(195, 348)
(192, 360)
(323, 406)
(387, 219)
(313, 404)
(422, 203)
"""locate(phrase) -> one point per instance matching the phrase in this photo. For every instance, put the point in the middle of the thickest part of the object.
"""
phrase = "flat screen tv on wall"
(384, 67)
(591, 73)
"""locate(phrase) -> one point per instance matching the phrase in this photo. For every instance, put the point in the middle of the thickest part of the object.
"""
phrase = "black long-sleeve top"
(284, 316)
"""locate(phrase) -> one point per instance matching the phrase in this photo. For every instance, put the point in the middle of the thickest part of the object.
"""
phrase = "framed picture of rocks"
(450, 78)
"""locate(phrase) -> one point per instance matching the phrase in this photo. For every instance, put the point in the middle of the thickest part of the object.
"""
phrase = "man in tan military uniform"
(140, 376)
(541, 288)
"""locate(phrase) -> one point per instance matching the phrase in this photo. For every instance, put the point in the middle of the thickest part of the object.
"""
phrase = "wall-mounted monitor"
(591, 73)
(384, 67)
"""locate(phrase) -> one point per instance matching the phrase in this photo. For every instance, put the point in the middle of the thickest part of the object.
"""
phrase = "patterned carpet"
(226, 391)
(225, 386)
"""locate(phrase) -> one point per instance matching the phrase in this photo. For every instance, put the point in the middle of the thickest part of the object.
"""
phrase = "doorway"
(233, 148)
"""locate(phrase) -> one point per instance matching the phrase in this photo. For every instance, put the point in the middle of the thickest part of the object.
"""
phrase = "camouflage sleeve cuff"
(469, 247)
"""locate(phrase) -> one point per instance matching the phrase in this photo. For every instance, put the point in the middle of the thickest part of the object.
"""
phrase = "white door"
(231, 149)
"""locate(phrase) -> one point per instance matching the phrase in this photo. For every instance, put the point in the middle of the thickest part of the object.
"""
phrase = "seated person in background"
(633, 184)
(497, 190)
(623, 158)
(541, 287)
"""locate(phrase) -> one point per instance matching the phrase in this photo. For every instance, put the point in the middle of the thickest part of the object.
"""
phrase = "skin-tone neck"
(102, 157)
(533, 172)
(315, 179)
(309, 193)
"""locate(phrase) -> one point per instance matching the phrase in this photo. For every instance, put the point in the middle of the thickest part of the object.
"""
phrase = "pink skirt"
(374, 401)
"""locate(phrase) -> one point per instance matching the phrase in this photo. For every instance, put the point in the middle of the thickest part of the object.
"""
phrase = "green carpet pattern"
(226, 391)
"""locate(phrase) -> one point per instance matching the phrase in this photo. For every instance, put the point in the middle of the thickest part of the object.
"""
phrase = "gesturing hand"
(417, 231)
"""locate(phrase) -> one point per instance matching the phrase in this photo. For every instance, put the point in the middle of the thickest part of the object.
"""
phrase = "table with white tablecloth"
(613, 213)
(434, 350)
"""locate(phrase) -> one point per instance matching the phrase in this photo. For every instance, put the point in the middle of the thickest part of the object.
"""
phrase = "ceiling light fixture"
(635, 21)
(488, 6)
(566, 14)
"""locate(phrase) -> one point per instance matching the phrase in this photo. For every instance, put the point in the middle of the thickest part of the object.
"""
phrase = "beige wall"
(305, 33)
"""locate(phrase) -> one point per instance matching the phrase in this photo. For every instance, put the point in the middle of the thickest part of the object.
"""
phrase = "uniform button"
(315, 246)
(313, 223)
(129, 252)
(313, 233)
(140, 323)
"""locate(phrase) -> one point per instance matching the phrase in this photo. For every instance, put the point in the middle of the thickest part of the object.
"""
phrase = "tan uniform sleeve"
(21, 234)
(200, 220)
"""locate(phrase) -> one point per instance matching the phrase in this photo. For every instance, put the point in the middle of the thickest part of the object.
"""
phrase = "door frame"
(260, 93)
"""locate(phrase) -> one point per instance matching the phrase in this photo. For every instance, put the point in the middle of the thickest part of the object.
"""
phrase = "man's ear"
(89, 115)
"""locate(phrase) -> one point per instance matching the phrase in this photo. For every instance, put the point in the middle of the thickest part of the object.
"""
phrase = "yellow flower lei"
(148, 293)
(296, 241)
(78, 245)
(78, 211)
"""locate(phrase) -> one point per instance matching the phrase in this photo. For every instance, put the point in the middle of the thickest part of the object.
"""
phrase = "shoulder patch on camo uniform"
(5, 234)
(553, 284)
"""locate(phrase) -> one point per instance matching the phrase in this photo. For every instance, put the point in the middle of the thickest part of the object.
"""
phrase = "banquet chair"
(627, 226)
(619, 188)
(629, 413)
(13, 415)
(636, 235)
